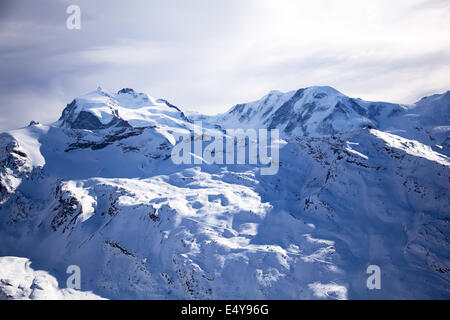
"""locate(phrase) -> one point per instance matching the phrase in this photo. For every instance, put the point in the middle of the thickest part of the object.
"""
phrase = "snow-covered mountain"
(360, 183)
(313, 111)
(324, 111)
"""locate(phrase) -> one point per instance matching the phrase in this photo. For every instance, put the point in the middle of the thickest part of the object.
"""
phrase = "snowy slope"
(18, 281)
(360, 183)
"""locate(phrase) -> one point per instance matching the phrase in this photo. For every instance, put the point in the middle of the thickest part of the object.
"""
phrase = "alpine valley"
(359, 183)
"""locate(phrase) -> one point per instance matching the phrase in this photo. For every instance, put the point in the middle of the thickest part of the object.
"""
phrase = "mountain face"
(359, 183)
(314, 111)
(324, 112)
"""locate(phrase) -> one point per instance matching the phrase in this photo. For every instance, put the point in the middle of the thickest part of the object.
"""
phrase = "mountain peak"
(100, 110)
(312, 111)
(323, 89)
(436, 97)
(434, 109)
(126, 90)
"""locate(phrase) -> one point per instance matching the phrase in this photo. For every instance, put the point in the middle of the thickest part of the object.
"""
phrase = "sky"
(208, 55)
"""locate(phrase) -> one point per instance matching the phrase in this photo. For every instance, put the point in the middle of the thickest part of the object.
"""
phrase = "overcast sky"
(207, 55)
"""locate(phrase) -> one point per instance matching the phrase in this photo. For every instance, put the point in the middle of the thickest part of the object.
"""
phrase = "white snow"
(412, 147)
(28, 141)
(18, 281)
(331, 290)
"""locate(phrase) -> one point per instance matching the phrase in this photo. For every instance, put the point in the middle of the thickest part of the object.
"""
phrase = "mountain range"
(359, 183)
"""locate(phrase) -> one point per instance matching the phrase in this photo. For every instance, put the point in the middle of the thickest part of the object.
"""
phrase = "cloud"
(207, 55)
